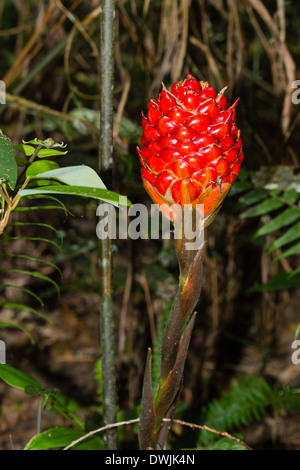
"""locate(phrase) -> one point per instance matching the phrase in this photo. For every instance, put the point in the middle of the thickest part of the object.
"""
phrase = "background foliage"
(248, 310)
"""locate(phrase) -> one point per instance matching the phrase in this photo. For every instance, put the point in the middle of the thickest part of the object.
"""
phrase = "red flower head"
(191, 150)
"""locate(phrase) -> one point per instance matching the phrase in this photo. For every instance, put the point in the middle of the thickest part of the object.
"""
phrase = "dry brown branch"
(22, 57)
(123, 314)
(165, 420)
(142, 279)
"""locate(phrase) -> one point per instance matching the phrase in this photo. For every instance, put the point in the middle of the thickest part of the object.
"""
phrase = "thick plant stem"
(174, 345)
(105, 163)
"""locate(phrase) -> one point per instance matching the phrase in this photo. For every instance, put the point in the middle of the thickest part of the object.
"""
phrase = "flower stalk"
(191, 153)
(175, 343)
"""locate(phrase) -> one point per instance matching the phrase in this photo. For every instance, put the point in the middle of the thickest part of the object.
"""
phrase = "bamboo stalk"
(105, 163)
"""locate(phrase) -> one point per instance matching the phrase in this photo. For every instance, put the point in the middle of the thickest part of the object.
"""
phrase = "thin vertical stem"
(107, 28)
(105, 163)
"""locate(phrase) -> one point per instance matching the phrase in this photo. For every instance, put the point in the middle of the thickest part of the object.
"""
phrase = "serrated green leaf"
(4, 324)
(263, 208)
(8, 165)
(58, 437)
(94, 193)
(17, 378)
(39, 167)
(79, 175)
(287, 217)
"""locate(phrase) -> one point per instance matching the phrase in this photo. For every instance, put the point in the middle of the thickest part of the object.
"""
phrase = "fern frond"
(19, 327)
(35, 274)
(27, 291)
(59, 205)
(36, 224)
(280, 201)
(24, 307)
(225, 444)
(246, 402)
(31, 258)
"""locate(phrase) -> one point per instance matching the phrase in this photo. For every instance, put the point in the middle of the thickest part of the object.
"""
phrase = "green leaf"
(129, 130)
(45, 143)
(94, 193)
(277, 282)
(20, 161)
(43, 153)
(32, 258)
(85, 114)
(293, 250)
(292, 234)
(287, 217)
(252, 197)
(225, 443)
(24, 307)
(297, 332)
(27, 291)
(36, 224)
(61, 437)
(41, 166)
(35, 239)
(8, 165)
(80, 175)
(263, 208)
(33, 274)
(239, 187)
(28, 150)
(14, 325)
(17, 378)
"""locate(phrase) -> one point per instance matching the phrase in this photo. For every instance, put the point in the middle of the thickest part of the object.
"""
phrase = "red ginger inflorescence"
(191, 150)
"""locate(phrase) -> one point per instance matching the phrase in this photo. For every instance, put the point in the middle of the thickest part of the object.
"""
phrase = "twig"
(166, 420)
(123, 314)
(143, 281)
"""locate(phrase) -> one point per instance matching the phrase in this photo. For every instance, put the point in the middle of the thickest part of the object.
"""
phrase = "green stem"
(174, 349)
(108, 362)
(107, 28)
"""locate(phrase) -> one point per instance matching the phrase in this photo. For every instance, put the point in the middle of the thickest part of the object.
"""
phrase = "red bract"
(191, 150)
